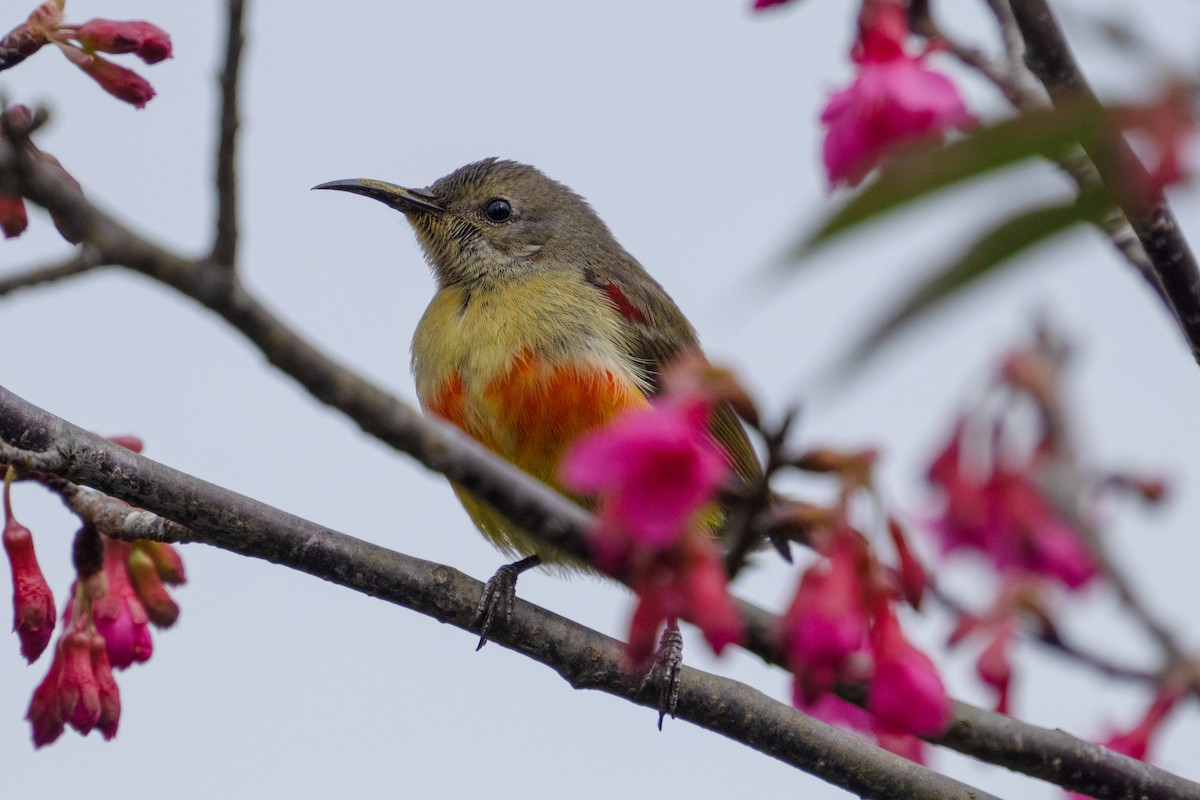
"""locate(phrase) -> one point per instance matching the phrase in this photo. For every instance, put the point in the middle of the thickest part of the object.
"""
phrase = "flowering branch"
(39, 441)
(584, 658)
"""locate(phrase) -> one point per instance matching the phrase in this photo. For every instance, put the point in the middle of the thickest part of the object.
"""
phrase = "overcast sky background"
(691, 127)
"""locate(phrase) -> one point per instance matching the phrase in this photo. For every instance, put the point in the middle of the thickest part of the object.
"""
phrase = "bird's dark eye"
(498, 210)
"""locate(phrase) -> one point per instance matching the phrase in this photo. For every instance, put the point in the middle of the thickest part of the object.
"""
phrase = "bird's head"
(492, 218)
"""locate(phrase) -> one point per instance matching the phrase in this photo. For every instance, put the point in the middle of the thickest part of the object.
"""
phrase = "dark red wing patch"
(625, 308)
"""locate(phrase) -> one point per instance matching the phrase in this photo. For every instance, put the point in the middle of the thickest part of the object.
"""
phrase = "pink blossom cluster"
(842, 629)
(655, 471)
(120, 591)
(81, 44)
(894, 99)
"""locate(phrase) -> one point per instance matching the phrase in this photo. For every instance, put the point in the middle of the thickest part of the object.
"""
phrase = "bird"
(542, 328)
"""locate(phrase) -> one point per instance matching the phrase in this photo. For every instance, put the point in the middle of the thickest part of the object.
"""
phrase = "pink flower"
(653, 469)
(1135, 742)
(688, 582)
(120, 616)
(826, 623)
(833, 710)
(79, 689)
(33, 602)
(1008, 518)
(759, 5)
(893, 100)
(149, 42)
(905, 692)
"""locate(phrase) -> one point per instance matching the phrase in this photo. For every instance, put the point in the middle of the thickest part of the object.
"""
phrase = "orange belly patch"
(532, 412)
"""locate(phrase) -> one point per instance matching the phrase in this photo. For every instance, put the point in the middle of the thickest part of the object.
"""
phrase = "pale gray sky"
(692, 130)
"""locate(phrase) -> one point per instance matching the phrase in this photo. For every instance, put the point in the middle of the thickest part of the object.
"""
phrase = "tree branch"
(239, 524)
(224, 251)
(1049, 57)
(585, 658)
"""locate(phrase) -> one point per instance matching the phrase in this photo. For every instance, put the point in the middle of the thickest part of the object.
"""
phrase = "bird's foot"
(666, 669)
(498, 596)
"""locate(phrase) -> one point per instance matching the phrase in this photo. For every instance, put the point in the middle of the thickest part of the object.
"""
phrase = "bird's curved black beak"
(404, 200)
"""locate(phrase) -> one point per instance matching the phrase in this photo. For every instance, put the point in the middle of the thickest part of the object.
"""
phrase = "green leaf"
(986, 255)
(928, 168)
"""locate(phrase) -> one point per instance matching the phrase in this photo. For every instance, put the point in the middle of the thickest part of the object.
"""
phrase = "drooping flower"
(120, 616)
(1136, 741)
(79, 689)
(688, 582)
(893, 100)
(826, 623)
(1006, 516)
(33, 602)
(905, 692)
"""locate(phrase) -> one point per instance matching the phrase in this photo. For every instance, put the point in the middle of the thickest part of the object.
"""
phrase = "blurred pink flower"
(827, 620)
(893, 100)
(905, 692)
(652, 469)
(689, 582)
(1006, 517)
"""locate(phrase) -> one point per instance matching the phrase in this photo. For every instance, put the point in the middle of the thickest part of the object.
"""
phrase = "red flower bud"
(110, 695)
(78, 691)
(121, 83)
(13, 219)
(43, 713)
(162, 610)
(33, 602)
(149, 42)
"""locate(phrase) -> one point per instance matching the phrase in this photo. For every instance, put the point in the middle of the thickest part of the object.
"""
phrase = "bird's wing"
(659, 333)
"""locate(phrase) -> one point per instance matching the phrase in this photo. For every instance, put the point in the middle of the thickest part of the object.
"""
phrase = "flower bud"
(163, 611)
(13, 219)
(33, 602)
(149, 42)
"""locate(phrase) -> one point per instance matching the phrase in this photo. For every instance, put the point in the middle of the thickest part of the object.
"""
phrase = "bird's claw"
(499, 595)
(667, 668)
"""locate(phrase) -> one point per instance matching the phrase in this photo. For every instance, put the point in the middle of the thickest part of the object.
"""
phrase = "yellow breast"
(525, 368)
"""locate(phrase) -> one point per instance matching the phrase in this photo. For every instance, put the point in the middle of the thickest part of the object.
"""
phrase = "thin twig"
(224, 251)
(85, 259)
